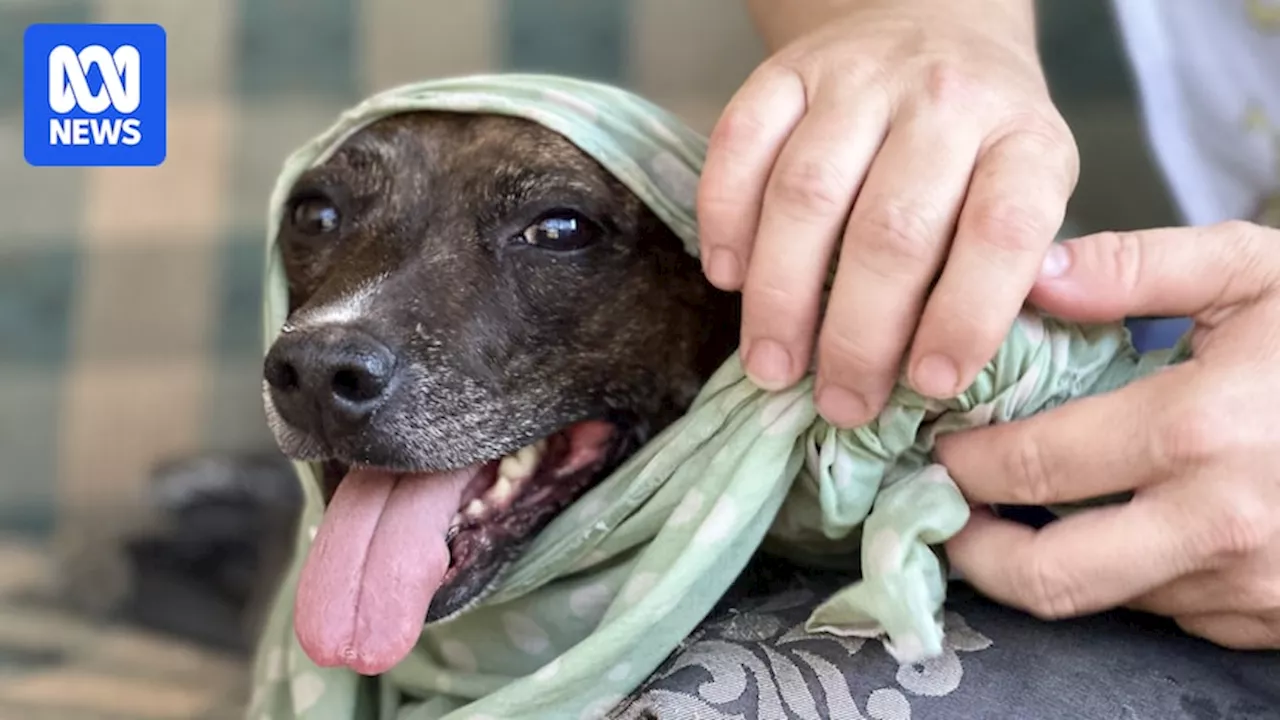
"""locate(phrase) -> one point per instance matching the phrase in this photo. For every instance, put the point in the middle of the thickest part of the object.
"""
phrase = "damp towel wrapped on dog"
(613, 585)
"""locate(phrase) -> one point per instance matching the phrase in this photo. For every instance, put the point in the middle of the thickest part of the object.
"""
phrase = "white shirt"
(1208, 76)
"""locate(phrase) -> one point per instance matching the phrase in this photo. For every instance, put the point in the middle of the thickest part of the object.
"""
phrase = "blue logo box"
(94, 95)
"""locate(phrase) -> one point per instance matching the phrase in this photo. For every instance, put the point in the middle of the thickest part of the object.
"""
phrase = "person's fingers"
(1134, 436)
(1088, 561)
(1160, 272)
(1015, 204)
(895, 241)
(740, 153)
(806, 202)
(1231, 590)
(1235, 631)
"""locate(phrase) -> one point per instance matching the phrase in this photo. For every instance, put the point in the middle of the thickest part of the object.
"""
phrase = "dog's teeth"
(522, 462)
(456, 522)
(503, 489)
(475, 509)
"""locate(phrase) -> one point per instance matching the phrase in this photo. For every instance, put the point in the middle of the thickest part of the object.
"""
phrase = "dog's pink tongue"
(376, 561)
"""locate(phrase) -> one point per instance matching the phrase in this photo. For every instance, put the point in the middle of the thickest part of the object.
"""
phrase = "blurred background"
(139, 489)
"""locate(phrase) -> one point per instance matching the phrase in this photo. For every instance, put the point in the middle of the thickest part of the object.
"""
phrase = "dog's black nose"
(328, 377)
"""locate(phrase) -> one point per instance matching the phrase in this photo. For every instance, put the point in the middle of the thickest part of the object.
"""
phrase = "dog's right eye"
(316, 216)
(564, 231)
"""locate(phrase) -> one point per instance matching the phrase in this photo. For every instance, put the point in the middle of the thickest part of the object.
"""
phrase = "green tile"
(14, 19)
(583, 38)
(239, 305)
(37, 294)
(29, 446)
(234, 419)
(264, 133)
(42, 203)
(151, 303)
(289, 47)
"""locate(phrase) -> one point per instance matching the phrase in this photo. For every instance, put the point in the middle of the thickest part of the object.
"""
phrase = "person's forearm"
(781, 21)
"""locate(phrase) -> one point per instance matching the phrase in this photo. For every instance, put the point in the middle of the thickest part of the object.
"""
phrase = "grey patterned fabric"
(752, 660)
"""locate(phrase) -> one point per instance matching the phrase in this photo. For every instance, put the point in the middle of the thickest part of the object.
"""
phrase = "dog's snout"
(326, 379)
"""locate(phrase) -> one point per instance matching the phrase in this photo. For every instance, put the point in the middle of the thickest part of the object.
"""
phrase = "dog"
(483, 323)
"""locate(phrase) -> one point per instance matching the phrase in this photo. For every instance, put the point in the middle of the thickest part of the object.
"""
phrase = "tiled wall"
(129, 297)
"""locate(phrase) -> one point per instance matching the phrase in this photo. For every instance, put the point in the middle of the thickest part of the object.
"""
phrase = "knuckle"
(1035, 486)
(1050, 136)
(1051, 141)
(842, 355)
(1046, 592)
(1263, 593)
(1244, 242)
(1243, 526)
(894, 237)
(1200, 432)
(812, 186)
(857, 71)
(765, 297)
(1240, 234)
(1194, 626)
(1010, 227)
(946, 85)
(739, 127)
(1118, 255)
(746, 124)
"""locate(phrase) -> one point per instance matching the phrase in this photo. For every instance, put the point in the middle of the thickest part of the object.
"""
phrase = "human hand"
(896, 125)
(1198, 443)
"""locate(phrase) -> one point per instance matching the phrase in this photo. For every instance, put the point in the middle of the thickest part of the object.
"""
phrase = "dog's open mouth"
(394, 547)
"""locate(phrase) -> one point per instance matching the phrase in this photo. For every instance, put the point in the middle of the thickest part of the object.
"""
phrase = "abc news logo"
(69, 89)
(94, 94)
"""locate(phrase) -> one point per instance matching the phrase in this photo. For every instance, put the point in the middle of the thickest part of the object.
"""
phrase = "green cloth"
(611, 587)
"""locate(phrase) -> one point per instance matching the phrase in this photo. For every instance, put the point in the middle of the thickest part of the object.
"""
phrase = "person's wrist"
(780, 22)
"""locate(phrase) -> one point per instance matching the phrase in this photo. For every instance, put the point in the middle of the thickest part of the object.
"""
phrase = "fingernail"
(722, 268)
(1056, 262)
(768, 364)
(841, 407)
(936, 376)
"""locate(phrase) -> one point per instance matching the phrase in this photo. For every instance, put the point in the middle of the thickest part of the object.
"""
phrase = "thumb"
(1163, 272)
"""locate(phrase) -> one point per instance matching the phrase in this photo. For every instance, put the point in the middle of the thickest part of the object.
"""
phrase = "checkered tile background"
(129, 297)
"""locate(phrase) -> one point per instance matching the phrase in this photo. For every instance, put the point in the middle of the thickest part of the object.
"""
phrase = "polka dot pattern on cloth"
(306, 689)
(638, 586)
(458, 656)
(688, 509)
(590, 601)
(548, 672)
(525, 634)
(719, 524)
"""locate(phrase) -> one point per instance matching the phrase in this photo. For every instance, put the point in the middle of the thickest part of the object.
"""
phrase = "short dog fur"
(463, 285)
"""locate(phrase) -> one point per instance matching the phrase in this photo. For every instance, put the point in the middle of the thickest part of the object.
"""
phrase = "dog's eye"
(316, 216)
(563, 230)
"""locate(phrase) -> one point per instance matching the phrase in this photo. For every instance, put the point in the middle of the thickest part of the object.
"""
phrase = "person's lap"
(751, 659)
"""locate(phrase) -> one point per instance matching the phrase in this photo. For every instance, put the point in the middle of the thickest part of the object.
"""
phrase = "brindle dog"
(473, 294)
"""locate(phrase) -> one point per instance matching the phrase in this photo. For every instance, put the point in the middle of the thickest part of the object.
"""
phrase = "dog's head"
(483, 323)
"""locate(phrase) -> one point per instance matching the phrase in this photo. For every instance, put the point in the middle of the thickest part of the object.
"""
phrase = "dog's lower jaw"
(456, 597)
(446, 606)
(500, 506)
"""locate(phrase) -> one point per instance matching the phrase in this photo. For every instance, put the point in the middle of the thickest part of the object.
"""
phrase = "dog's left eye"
(561, 231)
(316, 216)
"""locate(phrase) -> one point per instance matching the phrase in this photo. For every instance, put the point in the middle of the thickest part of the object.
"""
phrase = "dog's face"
(475, 303)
